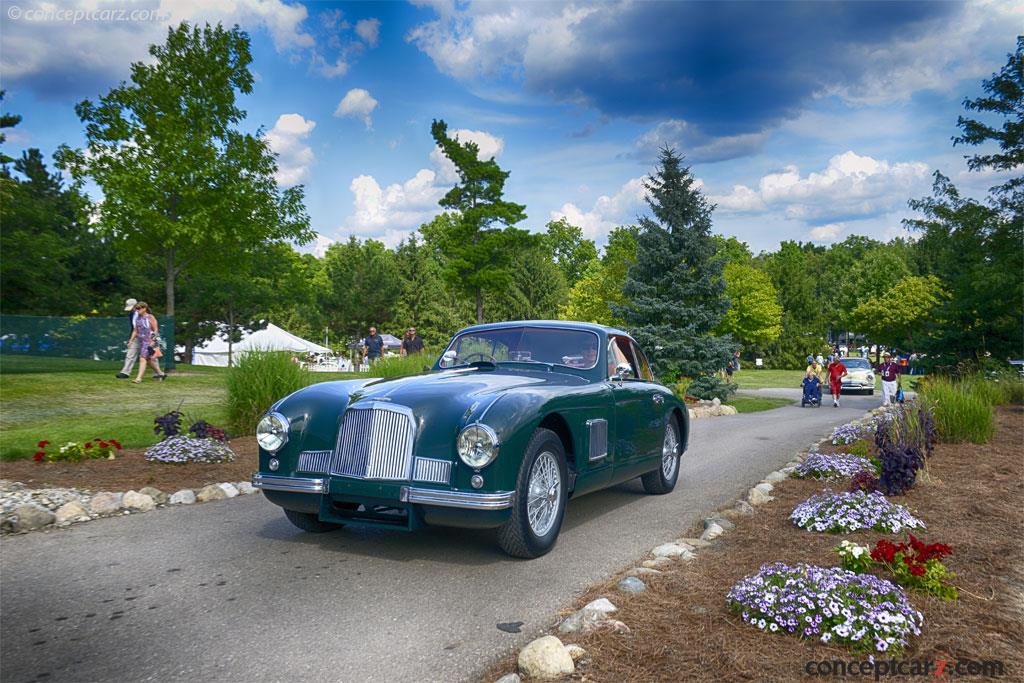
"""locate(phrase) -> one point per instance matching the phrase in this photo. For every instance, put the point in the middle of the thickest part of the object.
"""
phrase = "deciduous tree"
(754, 313)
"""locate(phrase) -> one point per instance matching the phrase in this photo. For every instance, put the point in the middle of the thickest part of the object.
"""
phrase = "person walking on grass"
(836, 373)
(145, 335)
(890, 373)
(411, 343)
(373, 347)
(132, 353)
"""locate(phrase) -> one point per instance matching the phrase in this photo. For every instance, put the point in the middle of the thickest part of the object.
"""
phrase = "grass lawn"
(65, 399)
(754, 378)
(754, 404)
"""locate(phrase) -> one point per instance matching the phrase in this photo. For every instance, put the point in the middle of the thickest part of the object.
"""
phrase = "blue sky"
(809, 121)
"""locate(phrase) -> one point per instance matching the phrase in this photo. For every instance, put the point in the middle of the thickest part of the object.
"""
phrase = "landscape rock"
(669, 550)
(758, 497)
(105, 503)
(31, 516)
(693, 542)
(775, 477)
(716, 401)
(602, 605)
(631, 584)
(182, 497)
(245, 488)
(743, 507)
(611, 625)
(71, 511)
(230, 491)
(764, 488)
(211, 492)
(712, 532)
(545, 658)
(158, 496)
(643, 571)
(509, 678)
(724, 523)
(576, 652)
(134, 500)
(656, 563)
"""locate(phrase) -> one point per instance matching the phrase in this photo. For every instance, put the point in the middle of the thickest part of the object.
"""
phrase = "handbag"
(899, 394)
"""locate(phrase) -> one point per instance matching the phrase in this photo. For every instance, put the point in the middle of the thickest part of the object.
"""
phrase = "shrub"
(864, 480)
(400, 366)
(72, 451)
(259, 380)
(179, 450)
(709, 387)
(861, 611)
(860, 448)
(831, 466)
(962, 409)
(846, 512)
(917, 565)
(854, 557)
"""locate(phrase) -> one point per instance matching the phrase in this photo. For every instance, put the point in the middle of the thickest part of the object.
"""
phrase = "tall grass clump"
(258, 380)
(401, 366)
(962, 408)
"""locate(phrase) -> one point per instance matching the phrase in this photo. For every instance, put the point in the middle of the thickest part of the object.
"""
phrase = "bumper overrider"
(469, 500)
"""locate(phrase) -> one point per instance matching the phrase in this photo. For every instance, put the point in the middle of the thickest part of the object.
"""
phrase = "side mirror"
(623, 371)
(447, 359)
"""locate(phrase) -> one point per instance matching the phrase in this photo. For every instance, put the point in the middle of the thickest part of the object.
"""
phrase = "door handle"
(659, 399)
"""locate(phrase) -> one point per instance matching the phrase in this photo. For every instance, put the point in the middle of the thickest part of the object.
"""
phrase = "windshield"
(856, 364)
(571, 348)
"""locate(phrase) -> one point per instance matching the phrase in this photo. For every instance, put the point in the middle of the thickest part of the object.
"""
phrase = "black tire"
(655, 482)
(871, 392)
(516, 537)
(307, 521)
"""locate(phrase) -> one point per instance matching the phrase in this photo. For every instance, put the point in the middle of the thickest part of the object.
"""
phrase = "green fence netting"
(24, 337)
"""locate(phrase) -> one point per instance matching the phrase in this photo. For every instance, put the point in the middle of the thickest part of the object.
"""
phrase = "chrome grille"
(432, 471)
(375, 442)
(314, 461)
(598, 438)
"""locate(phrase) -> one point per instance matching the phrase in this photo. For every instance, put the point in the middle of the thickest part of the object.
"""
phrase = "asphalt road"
(231, 591)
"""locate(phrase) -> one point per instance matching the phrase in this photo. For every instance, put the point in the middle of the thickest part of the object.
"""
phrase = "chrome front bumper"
(501, 500)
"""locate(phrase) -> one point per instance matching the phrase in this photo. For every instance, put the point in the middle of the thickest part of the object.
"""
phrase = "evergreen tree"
(675, 290)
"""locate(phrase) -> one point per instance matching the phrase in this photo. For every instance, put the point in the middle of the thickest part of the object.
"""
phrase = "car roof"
(551, 324)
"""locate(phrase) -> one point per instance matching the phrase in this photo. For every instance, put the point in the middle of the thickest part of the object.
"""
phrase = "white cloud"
(319, 247)
(338, 68)
(827, 233)
(357, 103)
(369, 31)
(489, 146)
(398, 206)
(695, 144)
(850, 186)
(608, 212)
(294, 157)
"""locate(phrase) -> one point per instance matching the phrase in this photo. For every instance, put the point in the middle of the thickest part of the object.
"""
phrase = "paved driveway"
(231, 591)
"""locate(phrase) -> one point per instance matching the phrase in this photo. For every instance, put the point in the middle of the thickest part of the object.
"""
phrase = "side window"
(645, 368)
(620, 352)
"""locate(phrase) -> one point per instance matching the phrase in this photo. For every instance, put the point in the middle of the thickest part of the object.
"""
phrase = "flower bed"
(851, 511)
(861, 611)
(832, 466)
(186, 449)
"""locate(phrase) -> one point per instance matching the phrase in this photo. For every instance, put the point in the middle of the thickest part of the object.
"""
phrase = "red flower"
(38, 457)
(104, 444)
(43, 444)
(917, 570)
(88, 444)
(116, 443)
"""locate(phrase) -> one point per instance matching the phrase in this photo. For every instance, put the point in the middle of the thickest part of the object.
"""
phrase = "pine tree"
(675, 290)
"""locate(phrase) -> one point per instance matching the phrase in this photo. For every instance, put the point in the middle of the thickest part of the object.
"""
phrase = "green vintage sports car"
(513, 420)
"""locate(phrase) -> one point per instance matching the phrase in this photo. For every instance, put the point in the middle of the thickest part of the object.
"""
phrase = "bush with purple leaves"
(185, 449)
(832, 466)
(860, 611)
(851, 511)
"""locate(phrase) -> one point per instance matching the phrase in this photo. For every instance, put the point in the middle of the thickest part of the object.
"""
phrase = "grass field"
(755, 404)
(64, 399)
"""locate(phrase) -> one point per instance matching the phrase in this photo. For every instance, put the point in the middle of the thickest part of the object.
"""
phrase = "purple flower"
(850, 511)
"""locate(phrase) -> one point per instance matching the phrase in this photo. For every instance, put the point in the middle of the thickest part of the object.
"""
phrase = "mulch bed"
(682, 630)
(131, 471)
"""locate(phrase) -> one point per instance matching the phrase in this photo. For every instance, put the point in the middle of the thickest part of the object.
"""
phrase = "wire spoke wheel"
(544, 497)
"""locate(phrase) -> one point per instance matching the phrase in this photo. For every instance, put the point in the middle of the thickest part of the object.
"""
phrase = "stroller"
(812, 392)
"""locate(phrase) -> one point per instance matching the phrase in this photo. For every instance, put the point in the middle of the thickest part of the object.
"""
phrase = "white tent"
(215, 351)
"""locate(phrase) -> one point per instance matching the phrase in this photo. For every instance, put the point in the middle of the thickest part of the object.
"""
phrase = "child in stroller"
(812, 391)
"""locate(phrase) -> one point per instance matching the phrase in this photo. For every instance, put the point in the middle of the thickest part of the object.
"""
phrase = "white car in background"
(860, 376)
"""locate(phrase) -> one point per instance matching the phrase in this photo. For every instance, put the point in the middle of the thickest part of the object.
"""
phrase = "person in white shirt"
(132, 354)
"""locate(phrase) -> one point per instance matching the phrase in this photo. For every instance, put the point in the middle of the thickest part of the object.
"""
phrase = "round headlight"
(477, 445)
(272, 432)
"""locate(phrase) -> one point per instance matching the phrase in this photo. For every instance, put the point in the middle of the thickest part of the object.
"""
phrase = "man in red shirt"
(836, 373)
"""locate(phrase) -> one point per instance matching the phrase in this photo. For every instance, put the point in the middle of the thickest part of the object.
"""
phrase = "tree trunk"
(169, 277)
(479, 306)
